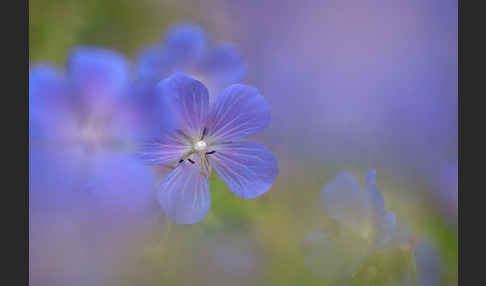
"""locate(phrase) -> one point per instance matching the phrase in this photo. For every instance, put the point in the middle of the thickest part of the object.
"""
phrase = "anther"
(211, 152)
(189, 159)
(204, 132)
(181, 160)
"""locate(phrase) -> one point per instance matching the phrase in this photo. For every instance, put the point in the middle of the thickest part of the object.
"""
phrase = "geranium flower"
(206, 139)
(80, 127)
(83, 106)
(83, 181)
(362, 225)
(359, 211)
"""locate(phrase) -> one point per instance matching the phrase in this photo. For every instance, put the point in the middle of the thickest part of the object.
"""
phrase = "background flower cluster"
(363, 98)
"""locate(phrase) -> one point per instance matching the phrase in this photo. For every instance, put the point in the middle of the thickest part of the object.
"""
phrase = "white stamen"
(200, 145)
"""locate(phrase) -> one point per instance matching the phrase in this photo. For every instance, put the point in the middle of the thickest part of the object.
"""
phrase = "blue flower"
(81, 182)
(74, 108)
(79, 126)
(359, 211)
(361, 226)
(206, 139)
(184, 50)
(87, 106)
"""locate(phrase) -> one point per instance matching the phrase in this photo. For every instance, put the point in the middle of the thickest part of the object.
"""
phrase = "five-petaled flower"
(84, 106)
(360, 211)
(81, 127)
(206, 139)
(363, 226)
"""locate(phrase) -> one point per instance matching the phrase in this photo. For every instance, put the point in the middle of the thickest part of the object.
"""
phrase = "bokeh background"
(353, 86)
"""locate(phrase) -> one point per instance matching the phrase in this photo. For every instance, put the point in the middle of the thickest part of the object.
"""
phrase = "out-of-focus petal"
(122, 189)
(248, 168)
(46, 100)
(344, 201)
(153, 64)
(224, 65)
(184, 193)
(82, 210)
(185, 43)
(45, 83)
(429, 264)
(375, 198)
(170, 148)
(187, 100)
(145, 113)
(98, 72)
(55, 183)
(387, 227)
(239, 112)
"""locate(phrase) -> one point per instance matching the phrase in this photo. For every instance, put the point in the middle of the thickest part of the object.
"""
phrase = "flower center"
(200, 145)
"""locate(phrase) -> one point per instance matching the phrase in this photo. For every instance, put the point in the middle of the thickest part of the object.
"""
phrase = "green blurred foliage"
(55, 26)
(387, 266)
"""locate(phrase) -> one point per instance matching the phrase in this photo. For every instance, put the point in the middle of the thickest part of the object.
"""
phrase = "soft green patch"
(389, 266)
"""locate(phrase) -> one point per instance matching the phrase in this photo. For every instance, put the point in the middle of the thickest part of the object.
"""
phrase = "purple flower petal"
(153, 64)
(97, 71)
(188, 100)
(185, 43)
(47, 101)
(387, 227)
(122, 187)
(169, 149)
(429, 263)
(224, 64)
(248, 168)
(184, 193)
(344, 201)
(148, 114)
(45, 83)
(239, 112)
(375, 198)
(55, 180)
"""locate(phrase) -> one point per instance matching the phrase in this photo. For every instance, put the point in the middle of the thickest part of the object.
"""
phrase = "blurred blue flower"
(85, 107)
(360, 211)
(205, 139)
(81, 174)
(184, 50)
(80, 121)
(362, 227)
